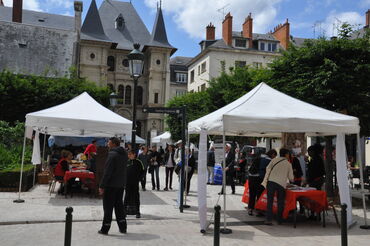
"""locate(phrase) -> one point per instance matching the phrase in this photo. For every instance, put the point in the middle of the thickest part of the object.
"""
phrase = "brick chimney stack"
(367, 18)
(227, 29)
(210, 32)
(248, 30)
(17, 11)
(282, 33)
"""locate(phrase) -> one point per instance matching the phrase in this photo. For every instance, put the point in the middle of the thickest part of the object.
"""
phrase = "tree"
(24, 94)
(197, 105)
(333, 74)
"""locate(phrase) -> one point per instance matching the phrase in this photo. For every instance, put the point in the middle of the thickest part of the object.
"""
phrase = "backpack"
(255, 166)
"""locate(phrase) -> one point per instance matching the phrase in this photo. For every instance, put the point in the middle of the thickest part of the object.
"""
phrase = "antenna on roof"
(222, 10)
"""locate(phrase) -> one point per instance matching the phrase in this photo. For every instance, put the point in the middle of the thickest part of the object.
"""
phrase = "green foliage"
(11, 157)
(11, 135)
(333, 74)
(345, 30)
(24, 94)
(197, 105)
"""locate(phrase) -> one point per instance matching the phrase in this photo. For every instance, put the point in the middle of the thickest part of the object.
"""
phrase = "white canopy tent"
(164, 137)
(80, 116)
(265, 111)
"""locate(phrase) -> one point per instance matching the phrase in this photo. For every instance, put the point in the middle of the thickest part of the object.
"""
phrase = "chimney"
(210, 32)
(248, 30)
(282, 33)
(78, 5)
(17, 11)
(227, 29)
(367, 18)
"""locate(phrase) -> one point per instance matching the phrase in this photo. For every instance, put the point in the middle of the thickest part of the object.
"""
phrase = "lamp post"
(136, 64)
(113, 99)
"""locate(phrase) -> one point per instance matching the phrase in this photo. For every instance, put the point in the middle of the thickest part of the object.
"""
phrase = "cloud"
(334, 20)
(194, 15)
(29, 4)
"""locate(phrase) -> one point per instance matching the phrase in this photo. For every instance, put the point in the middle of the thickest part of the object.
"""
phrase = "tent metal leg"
(43, 154)
(224, 230)
(19, 200)
(366, 226)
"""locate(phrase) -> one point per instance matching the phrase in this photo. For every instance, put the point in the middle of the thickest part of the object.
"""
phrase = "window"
(274, 47)
(240, 63)
(180, 93)
(203, 87)
(269, 47)
(158, 62)
(119, 22)
(125, 62)
(110, 63)
(156, 97)
(257, 64)
(240, 43)
(192, 76)
(121, 90)
(262, 46)
(181, 77)
(204, 68)
(139, 95)
(128, 95)
(92, 56)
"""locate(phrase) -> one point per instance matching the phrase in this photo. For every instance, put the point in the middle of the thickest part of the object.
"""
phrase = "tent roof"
(163, 137)
(266, 111)
(81, 116)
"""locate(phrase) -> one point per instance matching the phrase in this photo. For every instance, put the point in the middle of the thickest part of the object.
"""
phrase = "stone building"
(37, 43)
(236, 48)
(179, 75)
(107, 37)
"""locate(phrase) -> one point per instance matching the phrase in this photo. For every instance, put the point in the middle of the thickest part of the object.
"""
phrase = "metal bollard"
(216, 238)
(344, 225)
(68, 229)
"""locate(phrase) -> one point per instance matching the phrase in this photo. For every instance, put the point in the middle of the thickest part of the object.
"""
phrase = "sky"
(186, 20)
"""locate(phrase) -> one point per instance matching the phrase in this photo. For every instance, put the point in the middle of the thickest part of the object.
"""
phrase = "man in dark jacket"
(210, 164)
(229, 168)
(135, 170)
(112, 186)
(144, 157)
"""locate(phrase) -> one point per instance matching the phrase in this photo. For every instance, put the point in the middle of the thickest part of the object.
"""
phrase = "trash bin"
(217, 174)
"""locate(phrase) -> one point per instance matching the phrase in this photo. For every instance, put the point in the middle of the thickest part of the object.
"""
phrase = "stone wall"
(37, 50)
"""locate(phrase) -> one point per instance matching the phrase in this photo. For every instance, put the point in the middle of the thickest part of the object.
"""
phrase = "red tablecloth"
(313, 199)
(81, 175)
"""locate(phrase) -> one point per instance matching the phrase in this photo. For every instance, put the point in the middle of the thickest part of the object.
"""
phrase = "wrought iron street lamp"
(136, 65)
(113, 99)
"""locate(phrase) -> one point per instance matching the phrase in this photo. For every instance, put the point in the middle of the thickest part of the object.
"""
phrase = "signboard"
(161, 110)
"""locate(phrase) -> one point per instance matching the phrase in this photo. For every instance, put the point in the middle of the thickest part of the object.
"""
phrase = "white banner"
(36, 154)
(342, 176)
(202, 180)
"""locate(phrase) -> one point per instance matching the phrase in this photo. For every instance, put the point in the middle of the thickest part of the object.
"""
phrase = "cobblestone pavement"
(40, 221)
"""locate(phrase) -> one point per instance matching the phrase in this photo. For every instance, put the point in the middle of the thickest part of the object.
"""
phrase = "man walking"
(112, 186)
(277, 174)
(210, 164)
(229, 168)
(144, 157)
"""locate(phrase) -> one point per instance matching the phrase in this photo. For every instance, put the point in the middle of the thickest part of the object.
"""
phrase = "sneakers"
(166, 189)
(250, 212)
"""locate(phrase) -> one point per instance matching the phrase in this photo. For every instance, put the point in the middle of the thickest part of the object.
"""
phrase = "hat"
(178, 142)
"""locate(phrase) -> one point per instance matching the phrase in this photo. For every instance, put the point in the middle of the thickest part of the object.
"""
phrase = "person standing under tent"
(135, 170)
(211, 164)
(229, 168)
(316, 168)
(189, 169)
(278, 172)
(169, 160)
(113, 185)
(144, 157)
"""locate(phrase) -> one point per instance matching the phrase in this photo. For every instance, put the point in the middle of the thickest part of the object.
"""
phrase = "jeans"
(273, 187)
(156, 181)
(143, 179)
(113, 198)
(169, 174)
(211, 175)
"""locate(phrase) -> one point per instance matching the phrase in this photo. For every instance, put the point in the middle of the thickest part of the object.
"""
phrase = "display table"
(83, 175)
(314, 200)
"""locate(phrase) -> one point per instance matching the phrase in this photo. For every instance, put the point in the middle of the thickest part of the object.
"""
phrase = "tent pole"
(366, 226)
(19, 200)
(186, 172)
(224, 230)
(43, 153)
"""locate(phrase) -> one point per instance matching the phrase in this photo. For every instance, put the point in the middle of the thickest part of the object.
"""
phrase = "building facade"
(179, 75)
(107, 37)
(235, 49)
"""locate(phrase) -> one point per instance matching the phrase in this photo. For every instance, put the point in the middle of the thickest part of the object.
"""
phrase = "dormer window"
(242, 43)
(120, 22)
